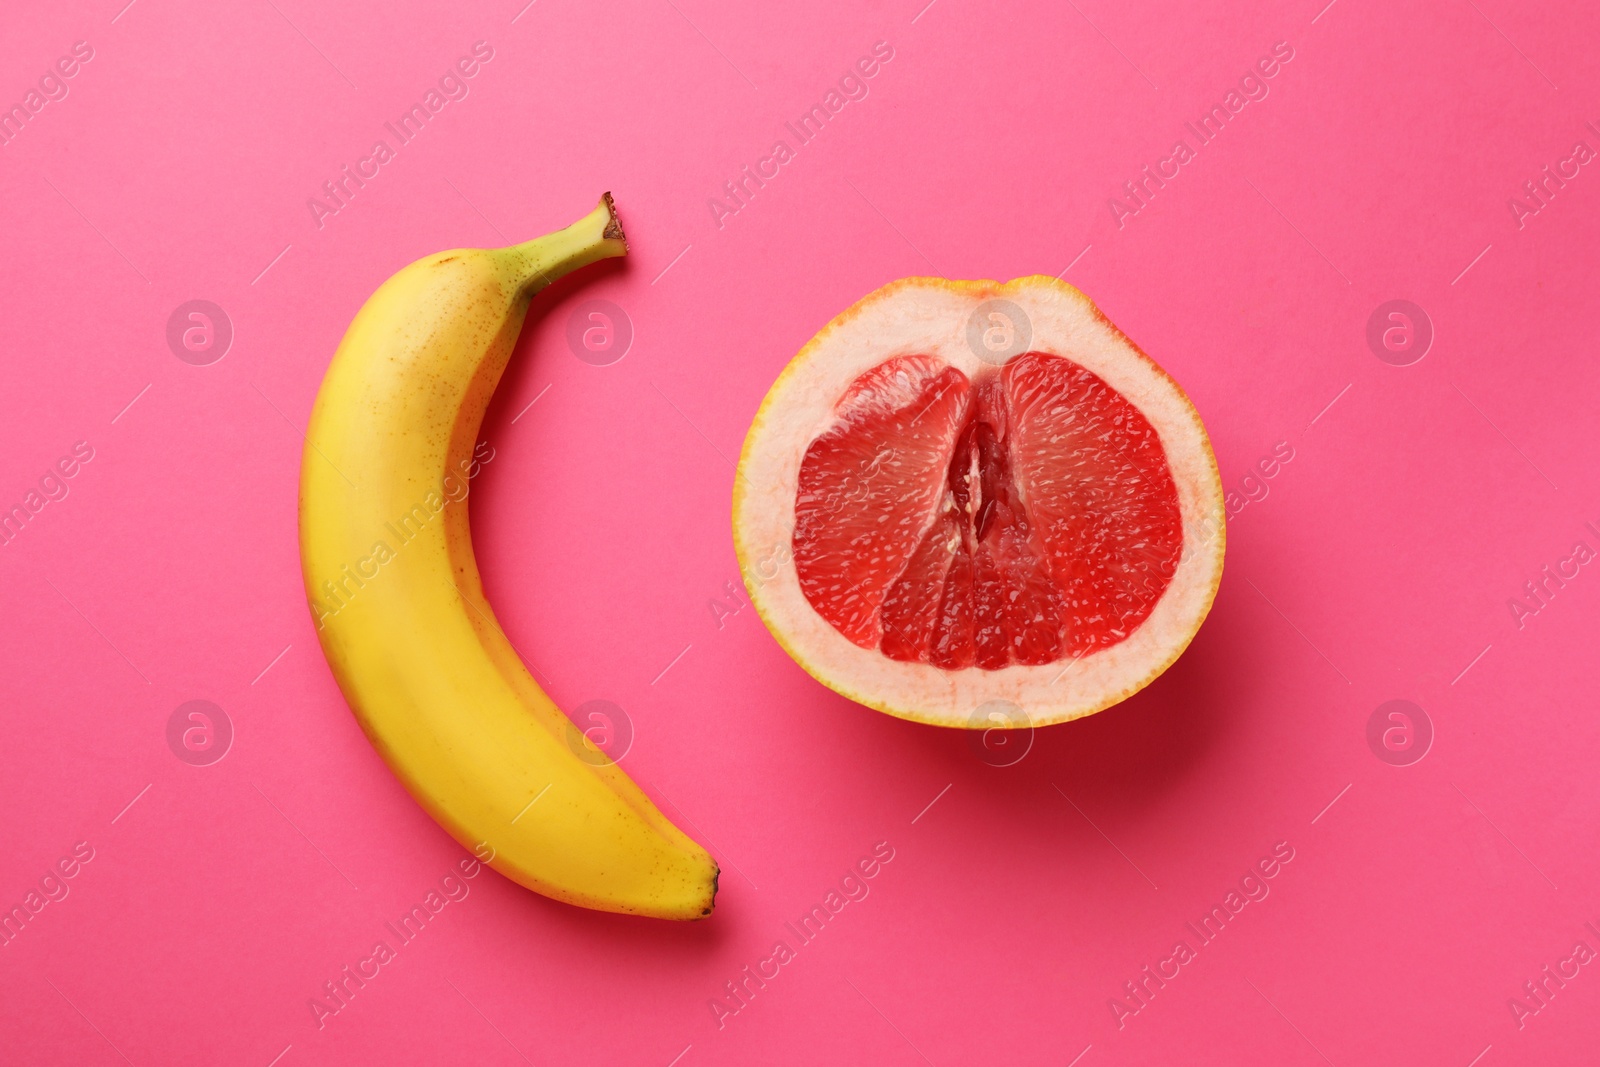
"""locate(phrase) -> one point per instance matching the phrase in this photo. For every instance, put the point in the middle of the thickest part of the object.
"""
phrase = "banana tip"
(613, 230)
(716, 876)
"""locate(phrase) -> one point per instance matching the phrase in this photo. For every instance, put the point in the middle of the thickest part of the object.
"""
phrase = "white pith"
(929, 316)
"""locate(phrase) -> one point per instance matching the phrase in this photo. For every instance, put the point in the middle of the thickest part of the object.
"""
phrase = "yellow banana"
(389, 570)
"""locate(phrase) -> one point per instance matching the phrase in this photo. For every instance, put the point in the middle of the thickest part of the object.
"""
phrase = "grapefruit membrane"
(968, 495)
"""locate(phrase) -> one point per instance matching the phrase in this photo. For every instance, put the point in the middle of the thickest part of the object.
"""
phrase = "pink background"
(1378, 566)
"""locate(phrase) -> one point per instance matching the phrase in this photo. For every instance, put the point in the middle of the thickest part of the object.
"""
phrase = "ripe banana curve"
(386, 553)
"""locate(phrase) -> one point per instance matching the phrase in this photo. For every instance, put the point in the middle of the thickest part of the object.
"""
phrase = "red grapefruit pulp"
(927, 525)
(1024, 517)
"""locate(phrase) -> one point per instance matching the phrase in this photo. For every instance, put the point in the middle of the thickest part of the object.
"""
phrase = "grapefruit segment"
(928, 526)
(912, 604)
(1102, 495)
(867, 482)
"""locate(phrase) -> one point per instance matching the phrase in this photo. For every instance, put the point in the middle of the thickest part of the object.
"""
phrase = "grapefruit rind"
(930, 316)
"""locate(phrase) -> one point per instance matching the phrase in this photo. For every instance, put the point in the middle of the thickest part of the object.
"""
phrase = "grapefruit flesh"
(1024, 517)
(928, 527)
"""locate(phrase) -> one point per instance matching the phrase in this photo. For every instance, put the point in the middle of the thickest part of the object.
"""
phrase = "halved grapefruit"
(963, 496)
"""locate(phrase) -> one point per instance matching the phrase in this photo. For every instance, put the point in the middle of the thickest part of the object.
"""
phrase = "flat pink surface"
(1380, 563)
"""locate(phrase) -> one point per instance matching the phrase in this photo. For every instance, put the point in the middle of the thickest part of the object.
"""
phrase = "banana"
(393, 585)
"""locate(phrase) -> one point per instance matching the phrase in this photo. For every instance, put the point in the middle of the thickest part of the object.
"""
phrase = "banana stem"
(598, 235)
